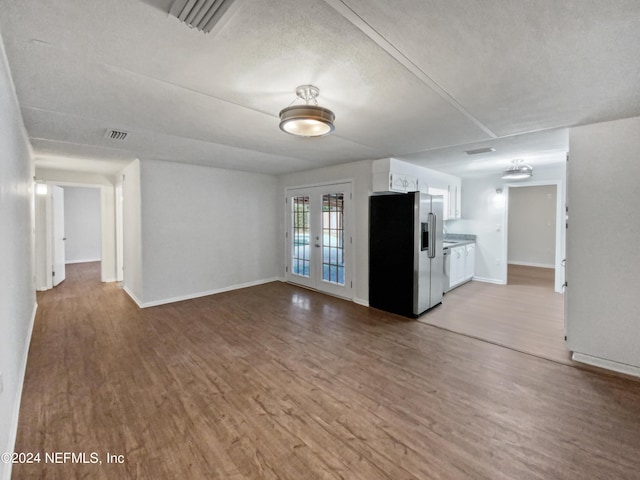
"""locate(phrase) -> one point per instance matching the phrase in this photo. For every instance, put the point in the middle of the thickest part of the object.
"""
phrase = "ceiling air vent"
(202, 15)
(478, 151)
(115, 134)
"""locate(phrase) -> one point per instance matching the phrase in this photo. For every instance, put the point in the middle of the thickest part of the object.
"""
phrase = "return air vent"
(115, 134)
(202, 15)
(478, 151)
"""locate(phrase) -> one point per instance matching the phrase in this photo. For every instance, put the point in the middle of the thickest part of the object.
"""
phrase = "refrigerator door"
(422, 246)
(436, 284)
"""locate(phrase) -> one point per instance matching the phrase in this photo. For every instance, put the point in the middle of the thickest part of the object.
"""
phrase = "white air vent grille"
(202, 15)
(478, 151)
(115, 134)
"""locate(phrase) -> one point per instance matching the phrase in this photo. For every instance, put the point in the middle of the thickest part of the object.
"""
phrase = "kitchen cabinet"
(470, 261)
(462, 263)
(395, 182)
(452, 195)
(457, 256)
(455, 198)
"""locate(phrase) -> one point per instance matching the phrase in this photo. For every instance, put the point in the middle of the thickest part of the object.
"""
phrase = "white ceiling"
(422, 80)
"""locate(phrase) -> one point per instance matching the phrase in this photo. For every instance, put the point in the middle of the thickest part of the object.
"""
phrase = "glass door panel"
(333, 238)
(319, 238)
(300, 260)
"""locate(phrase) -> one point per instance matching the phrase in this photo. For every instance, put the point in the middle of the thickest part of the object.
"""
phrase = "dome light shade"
(518, 171)
(309, 120)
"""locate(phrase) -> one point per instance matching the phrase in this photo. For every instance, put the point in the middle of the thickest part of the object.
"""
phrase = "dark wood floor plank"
(278, 382)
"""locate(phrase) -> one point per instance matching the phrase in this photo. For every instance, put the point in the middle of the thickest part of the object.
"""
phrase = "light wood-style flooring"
(278, 382)
(525, 315)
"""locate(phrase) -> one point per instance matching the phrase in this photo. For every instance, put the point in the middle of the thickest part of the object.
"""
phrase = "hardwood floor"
(525, 315)
(278, 382)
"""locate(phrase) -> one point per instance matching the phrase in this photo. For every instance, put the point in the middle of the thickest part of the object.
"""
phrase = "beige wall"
(17, 285)
(603, 267)
(532, 226)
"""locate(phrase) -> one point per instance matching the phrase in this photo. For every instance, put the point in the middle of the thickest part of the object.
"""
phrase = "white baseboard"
(529, 264)
(85, 260)
(606, 364)
(133, 297)
(191, 296)
(360, 301)
(13, 433)
(109, 280)
(489, 280)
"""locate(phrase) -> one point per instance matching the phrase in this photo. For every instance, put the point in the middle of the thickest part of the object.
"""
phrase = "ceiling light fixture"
(518, 171)
(308, 120)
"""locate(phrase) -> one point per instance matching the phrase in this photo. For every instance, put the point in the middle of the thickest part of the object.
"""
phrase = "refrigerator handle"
(432, 235)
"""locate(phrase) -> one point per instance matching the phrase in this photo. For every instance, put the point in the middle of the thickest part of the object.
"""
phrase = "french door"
(319, 238)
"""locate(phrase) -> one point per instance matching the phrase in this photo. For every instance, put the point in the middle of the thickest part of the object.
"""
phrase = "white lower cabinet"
(457, 257)
(470, 261)
(462, 264)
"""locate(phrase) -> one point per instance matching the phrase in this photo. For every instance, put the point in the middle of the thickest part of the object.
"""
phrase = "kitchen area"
(482, 298)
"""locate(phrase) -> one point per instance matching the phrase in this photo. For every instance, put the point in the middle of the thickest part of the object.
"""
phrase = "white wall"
(532, 226)
(603, 266)
(484, 215)
(132, 230)
(82, 224)
(361, 174)
(107, 212)
(205, 230)
(17, 286)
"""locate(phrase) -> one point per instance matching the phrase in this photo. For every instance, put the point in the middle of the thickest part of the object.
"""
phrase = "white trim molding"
(87, 260)
(191, 296)
(13, 433)
(495, 281)
(360, 301)
(529, 264)
(133, 296)
(606, 364)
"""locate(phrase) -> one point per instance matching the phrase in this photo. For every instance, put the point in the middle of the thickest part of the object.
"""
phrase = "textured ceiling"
(412, 79)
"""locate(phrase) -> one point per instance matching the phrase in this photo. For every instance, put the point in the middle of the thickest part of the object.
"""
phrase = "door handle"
(432, 235)
(317, 245)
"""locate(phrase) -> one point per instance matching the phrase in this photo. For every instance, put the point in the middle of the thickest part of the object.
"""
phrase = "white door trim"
(349, 237)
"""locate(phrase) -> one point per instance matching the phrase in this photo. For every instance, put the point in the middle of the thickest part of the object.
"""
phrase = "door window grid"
(300, 260)
(332, 238)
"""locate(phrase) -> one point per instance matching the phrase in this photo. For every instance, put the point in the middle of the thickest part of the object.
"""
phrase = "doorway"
(534, 233)
(531, 239)
(319, 240)
(69, 229)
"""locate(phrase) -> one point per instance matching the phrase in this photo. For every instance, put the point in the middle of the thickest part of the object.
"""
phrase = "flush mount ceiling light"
(518, 171)
(308, 120)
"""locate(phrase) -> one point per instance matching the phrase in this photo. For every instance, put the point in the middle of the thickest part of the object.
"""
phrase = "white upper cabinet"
(452, 195)
(393, 175)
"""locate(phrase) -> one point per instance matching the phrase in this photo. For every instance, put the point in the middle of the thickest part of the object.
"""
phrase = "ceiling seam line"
(351, 16)
(41, 109)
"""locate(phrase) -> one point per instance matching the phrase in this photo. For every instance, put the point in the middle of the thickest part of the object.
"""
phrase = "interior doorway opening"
(70, 223)
(531, 239)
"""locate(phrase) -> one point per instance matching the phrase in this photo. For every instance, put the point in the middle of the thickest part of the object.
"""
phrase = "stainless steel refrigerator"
(406, 262)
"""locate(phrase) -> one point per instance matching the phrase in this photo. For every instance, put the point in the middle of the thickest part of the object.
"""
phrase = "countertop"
(452, 240)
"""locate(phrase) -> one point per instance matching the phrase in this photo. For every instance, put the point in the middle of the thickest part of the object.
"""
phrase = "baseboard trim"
(86, 260)
(529, 264)
(191, 296)
(137, 301)
(13, 433)
(489, 280)
(360, 301)
(606, 364)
